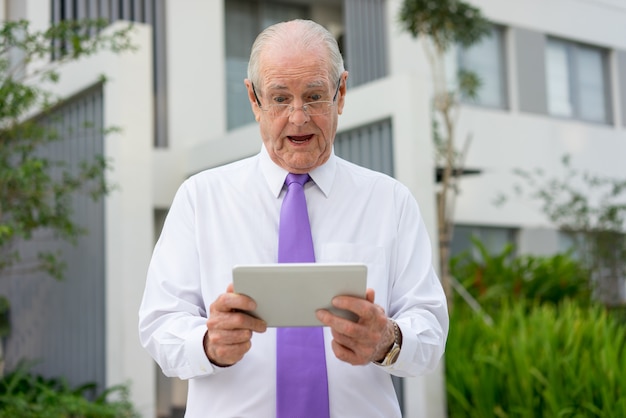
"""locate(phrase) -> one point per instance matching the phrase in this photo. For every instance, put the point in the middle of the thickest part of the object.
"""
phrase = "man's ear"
(341, 96)
(253, 102)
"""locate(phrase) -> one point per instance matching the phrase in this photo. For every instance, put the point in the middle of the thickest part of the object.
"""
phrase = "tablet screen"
(288, 294)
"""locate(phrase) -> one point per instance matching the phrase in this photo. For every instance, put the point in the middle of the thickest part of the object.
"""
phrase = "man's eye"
(279, 99)
(315, 97)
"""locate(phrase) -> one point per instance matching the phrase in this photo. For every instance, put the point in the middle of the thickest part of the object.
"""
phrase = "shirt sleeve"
(172, 316)
(417, 301)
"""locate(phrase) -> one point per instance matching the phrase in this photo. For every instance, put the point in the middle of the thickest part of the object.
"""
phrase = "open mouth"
(300, 139)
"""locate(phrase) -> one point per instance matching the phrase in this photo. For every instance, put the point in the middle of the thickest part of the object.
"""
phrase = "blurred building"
(554, 78)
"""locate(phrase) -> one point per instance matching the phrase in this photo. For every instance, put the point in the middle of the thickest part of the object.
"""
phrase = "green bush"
(496, 279)
(537, 361)
(551, 352)
(25, 395)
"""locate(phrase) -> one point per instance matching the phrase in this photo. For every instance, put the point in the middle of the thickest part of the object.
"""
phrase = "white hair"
(306, 35)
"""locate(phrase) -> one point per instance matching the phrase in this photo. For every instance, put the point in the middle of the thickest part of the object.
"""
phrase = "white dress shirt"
(229, 215)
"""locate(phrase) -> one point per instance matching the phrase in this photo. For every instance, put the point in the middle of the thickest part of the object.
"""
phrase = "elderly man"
(195, 326)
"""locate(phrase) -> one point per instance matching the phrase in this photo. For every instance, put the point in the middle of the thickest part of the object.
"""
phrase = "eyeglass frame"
(293, 109)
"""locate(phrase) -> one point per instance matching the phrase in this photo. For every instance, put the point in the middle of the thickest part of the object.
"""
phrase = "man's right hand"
(229, 330)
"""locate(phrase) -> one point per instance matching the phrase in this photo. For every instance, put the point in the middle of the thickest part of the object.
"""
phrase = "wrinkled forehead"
(283, 64)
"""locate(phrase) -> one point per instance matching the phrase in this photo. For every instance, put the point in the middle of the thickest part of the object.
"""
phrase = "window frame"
(572, 48)
(501, 33)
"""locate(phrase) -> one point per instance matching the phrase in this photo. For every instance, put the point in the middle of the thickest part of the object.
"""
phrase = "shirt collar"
(322, 176)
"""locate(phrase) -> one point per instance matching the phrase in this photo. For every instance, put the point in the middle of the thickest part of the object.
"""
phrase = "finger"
(344, 339)
(363, 308)
(356, 337)
(230, 288)
(227, 302)
(229, 337)
(346, 354)
(362, 349)
(370, 295)
(356, 343)
(253, 324)
(324, 316)
(348, 333)
(345, 327)
(335, 322)
(234, 320)
(350, 303)
(227, 354)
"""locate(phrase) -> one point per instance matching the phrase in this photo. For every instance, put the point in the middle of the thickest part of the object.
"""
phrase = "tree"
(590, 209)
(443, 24)
(35, 190)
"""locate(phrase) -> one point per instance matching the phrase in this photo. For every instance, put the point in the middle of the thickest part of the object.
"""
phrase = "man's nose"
(298, 116)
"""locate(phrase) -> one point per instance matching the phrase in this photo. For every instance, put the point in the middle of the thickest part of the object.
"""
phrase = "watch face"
(392, 356)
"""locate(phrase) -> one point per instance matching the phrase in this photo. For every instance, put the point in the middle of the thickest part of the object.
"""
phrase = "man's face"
(298, 142)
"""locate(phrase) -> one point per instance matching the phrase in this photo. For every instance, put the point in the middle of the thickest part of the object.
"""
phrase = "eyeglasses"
(278, 110)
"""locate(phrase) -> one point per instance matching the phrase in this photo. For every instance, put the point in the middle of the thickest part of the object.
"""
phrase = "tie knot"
(296, 178)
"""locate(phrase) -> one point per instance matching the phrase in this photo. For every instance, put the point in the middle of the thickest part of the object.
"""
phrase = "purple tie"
(301, 383)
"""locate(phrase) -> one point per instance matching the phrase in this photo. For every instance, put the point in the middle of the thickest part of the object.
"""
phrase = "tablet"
(288, 294)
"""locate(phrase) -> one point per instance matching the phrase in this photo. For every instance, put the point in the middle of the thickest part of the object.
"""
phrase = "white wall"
(599, 22)
(128, 209)
(15, 9)
(196, 92)
(129, 213)
(503, 141)
(36, 11)
(195, 71)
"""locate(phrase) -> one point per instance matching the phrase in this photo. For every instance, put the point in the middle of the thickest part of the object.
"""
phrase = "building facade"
(554, 78)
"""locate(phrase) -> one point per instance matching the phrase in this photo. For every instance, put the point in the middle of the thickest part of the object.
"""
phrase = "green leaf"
(36, 189)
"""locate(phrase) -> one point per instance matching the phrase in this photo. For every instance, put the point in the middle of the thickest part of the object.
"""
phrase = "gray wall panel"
(150, 12)
(621, 80)
(538, 241)
(62, 324)
(369, 146)
(531, 63)
(365, 53)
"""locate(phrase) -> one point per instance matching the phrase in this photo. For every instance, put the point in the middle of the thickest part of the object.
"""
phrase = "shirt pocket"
(373, 257)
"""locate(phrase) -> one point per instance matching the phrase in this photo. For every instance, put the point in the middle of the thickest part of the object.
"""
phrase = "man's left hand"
(360, 342)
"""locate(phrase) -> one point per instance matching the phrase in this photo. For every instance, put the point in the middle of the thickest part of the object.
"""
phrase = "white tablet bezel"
(289, 294)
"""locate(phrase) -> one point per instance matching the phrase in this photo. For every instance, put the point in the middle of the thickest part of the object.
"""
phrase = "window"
(577, 81)
(486, 60)
(493, 238)
(244, 20)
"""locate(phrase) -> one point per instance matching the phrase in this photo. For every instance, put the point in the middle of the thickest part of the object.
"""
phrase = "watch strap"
(393, 353)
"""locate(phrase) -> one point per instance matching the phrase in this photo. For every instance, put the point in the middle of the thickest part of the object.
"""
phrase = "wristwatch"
(394, 351)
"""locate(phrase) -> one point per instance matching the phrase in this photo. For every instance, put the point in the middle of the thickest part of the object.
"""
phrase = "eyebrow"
(311, 85)
(315, 84)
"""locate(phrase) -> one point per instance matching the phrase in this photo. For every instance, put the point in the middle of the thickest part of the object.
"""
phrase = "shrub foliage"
(539, 361)
(550, 352)
(26, 395)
